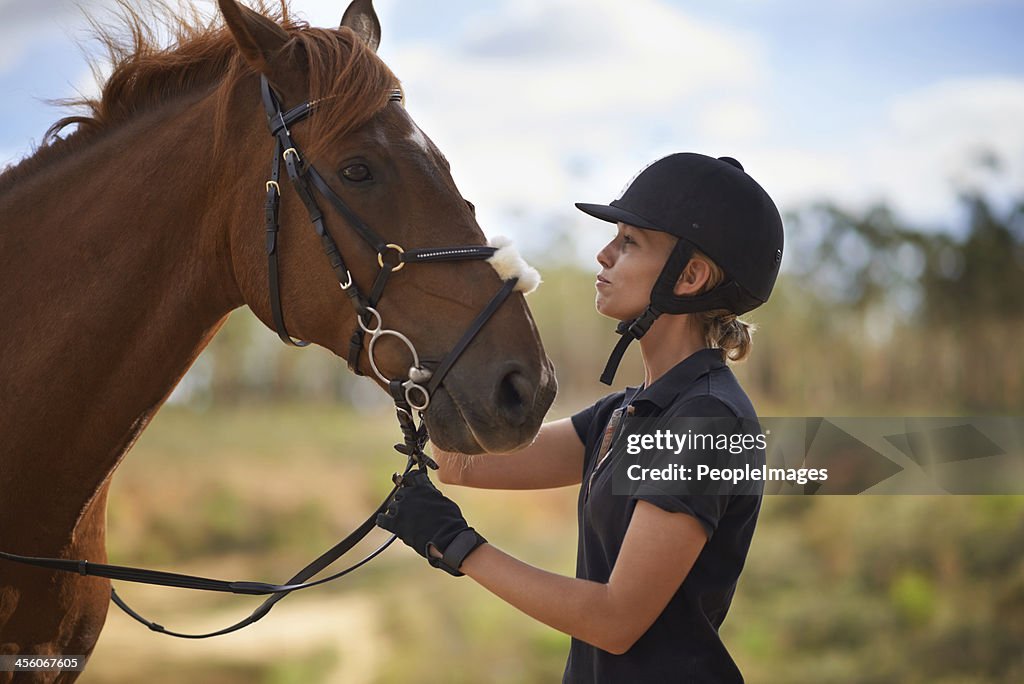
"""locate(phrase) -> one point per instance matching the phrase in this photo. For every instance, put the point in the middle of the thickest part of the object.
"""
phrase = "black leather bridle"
(411, 395)
(391, 257)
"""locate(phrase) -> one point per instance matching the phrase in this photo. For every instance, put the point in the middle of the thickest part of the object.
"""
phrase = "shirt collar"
(665, 389)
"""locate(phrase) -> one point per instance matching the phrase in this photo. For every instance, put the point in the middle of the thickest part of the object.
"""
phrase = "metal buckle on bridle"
(397, 248)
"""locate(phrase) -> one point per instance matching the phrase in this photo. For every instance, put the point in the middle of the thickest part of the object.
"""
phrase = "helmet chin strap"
(630, 330)
(664, 300)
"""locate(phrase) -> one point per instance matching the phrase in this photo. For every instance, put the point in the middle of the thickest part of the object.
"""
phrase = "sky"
(539, 104)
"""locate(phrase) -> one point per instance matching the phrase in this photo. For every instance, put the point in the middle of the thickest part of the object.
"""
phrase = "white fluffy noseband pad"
(509, 264)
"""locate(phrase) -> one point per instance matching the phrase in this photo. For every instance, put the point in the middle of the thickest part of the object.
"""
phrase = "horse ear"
(260, 39)
(361, 18)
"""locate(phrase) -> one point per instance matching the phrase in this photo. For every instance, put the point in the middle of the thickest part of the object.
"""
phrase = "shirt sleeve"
(582, 421)
(590, 423)
(708, 509)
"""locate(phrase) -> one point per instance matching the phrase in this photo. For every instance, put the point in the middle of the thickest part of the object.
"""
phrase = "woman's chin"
(603, 307)
(615, 313)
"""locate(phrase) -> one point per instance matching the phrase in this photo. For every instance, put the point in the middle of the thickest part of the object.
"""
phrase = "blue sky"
(539, 104)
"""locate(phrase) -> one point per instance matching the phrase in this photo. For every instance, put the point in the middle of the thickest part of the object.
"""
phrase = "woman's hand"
(430, 523)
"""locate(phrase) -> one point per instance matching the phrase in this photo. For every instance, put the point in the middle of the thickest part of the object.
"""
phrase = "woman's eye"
(357, 173)
(626, 240)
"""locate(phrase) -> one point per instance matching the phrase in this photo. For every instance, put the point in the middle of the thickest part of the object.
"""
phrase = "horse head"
(393, 196)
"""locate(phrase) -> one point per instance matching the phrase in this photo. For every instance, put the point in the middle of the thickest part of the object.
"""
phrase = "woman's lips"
(601, 281)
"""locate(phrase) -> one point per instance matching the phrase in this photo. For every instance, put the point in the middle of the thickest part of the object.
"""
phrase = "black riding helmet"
(711, 205)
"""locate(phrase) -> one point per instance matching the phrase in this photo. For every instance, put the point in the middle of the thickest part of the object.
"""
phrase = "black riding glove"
(422, 516)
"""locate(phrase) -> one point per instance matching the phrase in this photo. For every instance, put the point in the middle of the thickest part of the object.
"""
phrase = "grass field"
(837, 589)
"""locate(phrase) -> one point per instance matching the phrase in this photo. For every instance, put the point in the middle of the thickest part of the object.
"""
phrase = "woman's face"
(630, 265)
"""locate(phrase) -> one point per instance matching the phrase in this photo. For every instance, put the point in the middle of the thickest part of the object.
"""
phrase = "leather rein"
(411, 394)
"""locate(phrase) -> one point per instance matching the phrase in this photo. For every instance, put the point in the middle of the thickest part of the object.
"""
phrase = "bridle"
(411, 395)
(391, 258)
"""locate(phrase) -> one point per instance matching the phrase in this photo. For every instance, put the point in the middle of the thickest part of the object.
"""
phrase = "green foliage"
(968, 271)
(981, 277)
(913, 596)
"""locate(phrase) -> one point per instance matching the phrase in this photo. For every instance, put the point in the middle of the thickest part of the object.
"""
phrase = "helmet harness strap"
(664, 300)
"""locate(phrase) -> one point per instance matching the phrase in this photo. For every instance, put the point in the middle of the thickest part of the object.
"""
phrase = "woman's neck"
(671, 339)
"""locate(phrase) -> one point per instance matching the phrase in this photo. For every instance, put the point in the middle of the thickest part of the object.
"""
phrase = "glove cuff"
(457, 550)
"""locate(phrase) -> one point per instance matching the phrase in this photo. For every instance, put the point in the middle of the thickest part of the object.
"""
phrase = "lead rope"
(415, 439)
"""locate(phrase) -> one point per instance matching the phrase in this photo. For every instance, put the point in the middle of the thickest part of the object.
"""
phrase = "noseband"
(411, 394)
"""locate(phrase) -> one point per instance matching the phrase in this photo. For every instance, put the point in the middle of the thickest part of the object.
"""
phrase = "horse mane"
(352, 81)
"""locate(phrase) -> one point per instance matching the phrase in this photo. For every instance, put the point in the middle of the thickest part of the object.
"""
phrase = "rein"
(411, 394)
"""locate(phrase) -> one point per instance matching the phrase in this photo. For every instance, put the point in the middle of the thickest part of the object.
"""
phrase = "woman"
(698, 242)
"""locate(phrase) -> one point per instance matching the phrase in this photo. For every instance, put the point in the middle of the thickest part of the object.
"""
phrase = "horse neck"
(123, 274)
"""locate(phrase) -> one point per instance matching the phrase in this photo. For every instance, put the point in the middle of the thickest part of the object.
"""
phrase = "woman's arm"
(657, 553)
(554, 459)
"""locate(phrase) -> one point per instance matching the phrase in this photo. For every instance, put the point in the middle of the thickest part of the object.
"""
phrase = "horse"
(125, 245)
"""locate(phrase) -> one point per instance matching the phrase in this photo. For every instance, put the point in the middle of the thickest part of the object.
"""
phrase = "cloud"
(567, 57)
(539, 104)
(926, 144)
(940, 132)
(733, 119)
(8, 157)
(542, 104)
(26, 23)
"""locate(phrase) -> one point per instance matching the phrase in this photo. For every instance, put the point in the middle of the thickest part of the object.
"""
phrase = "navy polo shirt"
(683, 643)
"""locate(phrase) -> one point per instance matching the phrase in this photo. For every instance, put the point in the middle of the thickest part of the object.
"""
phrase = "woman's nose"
(604, 256)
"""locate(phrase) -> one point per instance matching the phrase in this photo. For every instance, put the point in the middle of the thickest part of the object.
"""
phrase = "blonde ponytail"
(721, 328)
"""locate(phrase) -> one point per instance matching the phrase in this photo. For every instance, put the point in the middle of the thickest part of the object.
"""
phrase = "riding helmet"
(709, 204)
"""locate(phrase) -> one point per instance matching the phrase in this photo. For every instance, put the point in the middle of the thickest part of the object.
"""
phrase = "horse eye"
(357, 173)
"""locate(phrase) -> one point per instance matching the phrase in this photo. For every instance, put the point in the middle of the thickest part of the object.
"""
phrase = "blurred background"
(889, 134)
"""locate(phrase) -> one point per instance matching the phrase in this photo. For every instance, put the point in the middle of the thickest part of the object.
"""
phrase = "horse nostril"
(513, 397)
